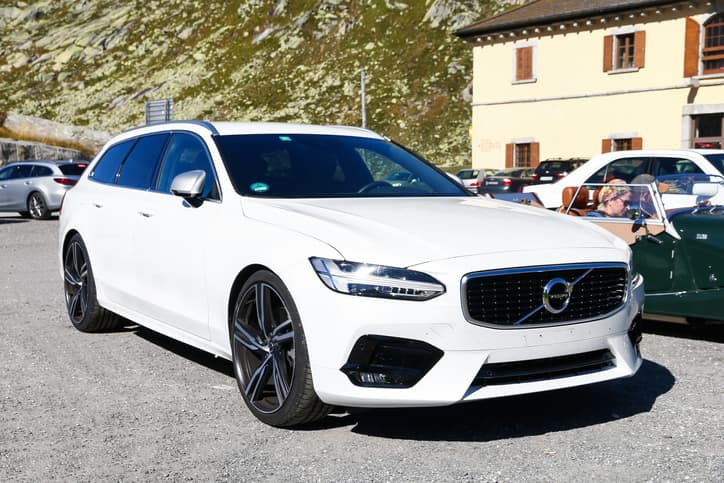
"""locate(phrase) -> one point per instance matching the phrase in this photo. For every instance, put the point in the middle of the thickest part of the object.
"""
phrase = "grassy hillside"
(95, 62)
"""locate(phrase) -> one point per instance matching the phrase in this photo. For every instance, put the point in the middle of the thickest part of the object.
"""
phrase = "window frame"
(712, 53)
(519, 50)
(159, 168)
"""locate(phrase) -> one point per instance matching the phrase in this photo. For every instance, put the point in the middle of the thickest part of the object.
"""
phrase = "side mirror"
(189, 185)
(705, 189)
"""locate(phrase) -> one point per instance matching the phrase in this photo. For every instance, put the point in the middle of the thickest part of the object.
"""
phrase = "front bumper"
(334, 323)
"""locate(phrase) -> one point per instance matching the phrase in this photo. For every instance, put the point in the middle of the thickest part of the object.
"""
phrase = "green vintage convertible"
(675, 226)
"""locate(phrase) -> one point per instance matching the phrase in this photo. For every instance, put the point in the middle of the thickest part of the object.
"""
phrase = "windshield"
(317, 165)
(717, 160)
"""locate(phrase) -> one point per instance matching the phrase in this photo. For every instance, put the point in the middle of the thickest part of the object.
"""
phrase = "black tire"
(37, 207)
(24, 214)
(270, 358)
(80, 291)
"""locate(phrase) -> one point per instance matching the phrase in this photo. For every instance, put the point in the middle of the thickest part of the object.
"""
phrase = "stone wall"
(12, 150)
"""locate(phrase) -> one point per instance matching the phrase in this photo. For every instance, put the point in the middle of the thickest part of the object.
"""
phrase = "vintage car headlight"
(376, 280)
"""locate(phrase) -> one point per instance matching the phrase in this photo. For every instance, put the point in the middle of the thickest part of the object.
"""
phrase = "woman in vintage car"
(677, 238)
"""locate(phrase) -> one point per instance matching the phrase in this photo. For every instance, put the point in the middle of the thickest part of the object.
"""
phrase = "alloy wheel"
(75, 268)
(36, 206)
(263, 345)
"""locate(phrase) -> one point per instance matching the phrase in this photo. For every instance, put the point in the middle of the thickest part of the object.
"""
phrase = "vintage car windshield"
(614, 201)
(717, 160)
(318, 165)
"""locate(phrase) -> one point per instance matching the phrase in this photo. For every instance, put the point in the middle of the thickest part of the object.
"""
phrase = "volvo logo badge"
(556, 295)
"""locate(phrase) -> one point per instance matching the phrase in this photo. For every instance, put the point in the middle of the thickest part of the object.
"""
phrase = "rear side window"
(625, 169)
(717, 160)
(105, 170)
(41, 171)
(72, 169)
(667, 166)
(23, 171)
(140, 166)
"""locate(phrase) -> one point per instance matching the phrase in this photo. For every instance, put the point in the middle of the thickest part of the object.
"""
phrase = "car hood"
(407, 231)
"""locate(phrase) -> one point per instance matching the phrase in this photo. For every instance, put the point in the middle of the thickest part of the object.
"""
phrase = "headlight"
(376, 280)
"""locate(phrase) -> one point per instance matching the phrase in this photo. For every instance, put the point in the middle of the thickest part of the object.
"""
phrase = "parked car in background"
(509, 180)
(472, 178)
(679, 252)
(284, 249)
(627, 165)
(36, 188)
(551, 170)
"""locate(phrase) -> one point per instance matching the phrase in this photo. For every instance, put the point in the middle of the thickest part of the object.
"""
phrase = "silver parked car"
(36, 188)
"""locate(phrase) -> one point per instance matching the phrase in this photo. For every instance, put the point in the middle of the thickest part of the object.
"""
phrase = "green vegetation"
(95, 63)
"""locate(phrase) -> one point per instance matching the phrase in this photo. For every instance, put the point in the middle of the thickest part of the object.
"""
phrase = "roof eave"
(475, 30)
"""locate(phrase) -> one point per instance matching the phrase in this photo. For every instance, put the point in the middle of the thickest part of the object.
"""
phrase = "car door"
(17, 187)
(172, 240)
(6, 174)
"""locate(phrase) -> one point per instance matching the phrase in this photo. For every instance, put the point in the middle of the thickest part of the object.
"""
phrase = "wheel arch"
(239, 282)
(71, 233)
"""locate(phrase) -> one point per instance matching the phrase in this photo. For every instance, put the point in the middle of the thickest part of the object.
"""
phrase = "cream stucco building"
(574, 78)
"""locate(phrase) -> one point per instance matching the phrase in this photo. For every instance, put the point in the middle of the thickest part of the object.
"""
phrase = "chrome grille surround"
(513, 298)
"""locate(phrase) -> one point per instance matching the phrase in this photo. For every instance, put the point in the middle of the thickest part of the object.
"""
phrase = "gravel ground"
(134, 405)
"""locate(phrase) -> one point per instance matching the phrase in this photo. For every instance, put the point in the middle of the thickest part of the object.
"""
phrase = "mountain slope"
(94, 63)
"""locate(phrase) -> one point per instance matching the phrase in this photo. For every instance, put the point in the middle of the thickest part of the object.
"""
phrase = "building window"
(524, 64)
(624, 51)
(522, 155)
(621, 144)
(708, 131)
(713, 52)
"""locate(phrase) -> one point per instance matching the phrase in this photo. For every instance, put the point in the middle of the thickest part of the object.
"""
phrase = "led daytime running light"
(376, 280)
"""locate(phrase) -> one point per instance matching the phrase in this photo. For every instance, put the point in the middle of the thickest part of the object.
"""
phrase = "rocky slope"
(95, 62)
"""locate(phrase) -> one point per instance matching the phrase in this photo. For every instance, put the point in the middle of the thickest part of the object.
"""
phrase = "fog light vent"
(379, 361)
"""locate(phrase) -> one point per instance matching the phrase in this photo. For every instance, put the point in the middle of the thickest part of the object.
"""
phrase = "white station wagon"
(281, 248)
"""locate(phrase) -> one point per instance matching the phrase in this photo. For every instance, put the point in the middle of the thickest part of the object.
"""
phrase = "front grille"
(514, 298)
(542, 369)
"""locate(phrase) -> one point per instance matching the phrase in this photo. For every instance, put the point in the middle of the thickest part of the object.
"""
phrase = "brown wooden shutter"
(691, 48)
(607, 53)
(639, 48)
(637, 143)
(606, 145)
(534, 154)
(509, 148)
(524, 63)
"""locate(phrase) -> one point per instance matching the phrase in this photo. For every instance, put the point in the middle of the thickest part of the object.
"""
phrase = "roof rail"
(206, 124)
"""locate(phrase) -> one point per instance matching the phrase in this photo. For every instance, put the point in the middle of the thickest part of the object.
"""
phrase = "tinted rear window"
(72, 169)
(105, 170)
(140, 166)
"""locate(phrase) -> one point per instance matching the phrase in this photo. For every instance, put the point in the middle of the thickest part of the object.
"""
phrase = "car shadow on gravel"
(516, 416)
(193, 354)
(5, 220)
(488, 420)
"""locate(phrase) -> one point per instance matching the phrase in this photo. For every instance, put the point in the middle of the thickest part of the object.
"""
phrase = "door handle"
(28, 183)
(145, 215)
(3, 186)
(97, 205)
